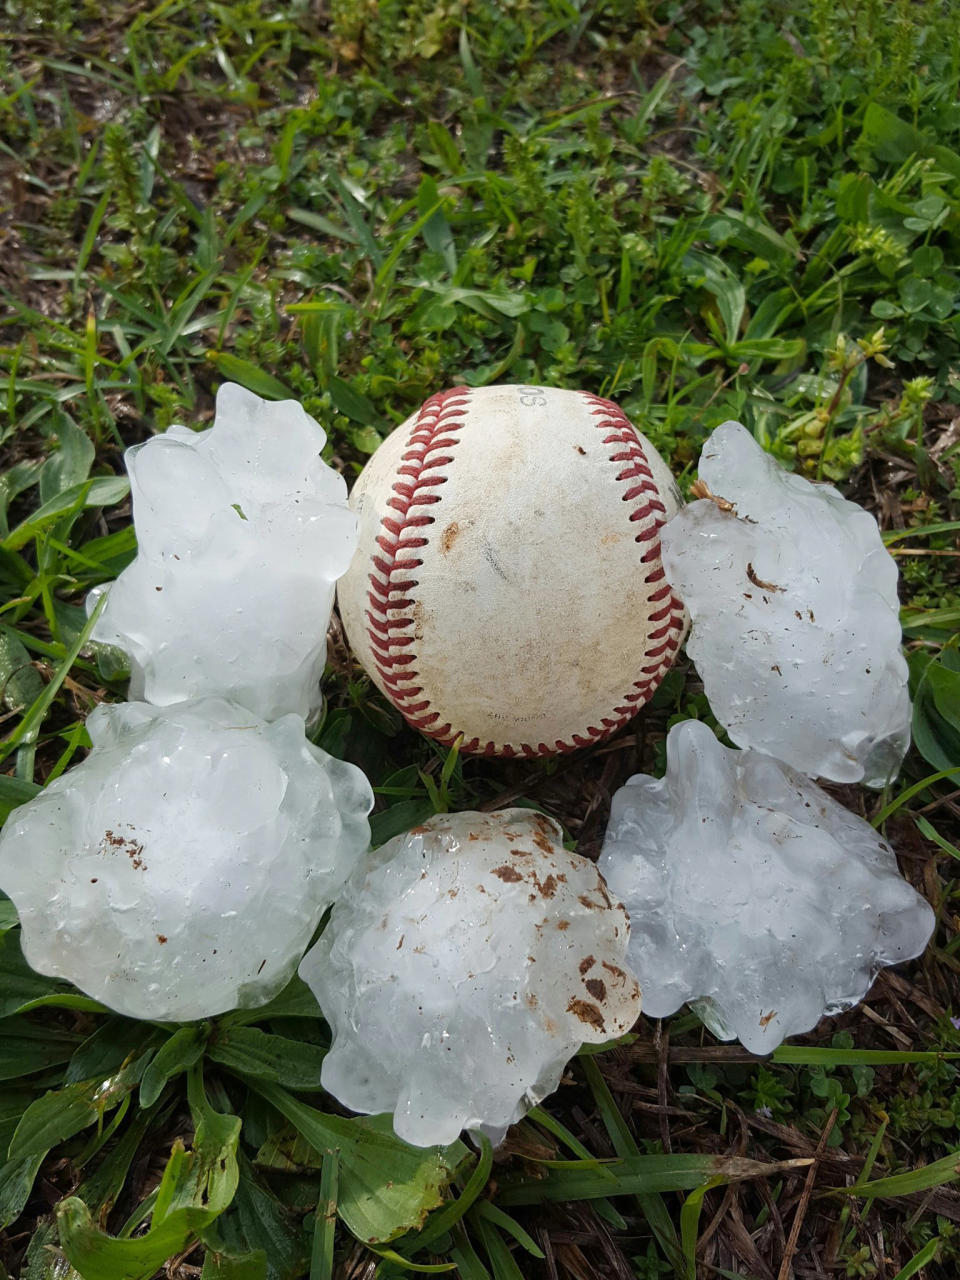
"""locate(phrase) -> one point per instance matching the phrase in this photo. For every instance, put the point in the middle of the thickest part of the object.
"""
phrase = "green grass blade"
(651, 1205)
(29, 726)
(325, 1225)
(919, 1260)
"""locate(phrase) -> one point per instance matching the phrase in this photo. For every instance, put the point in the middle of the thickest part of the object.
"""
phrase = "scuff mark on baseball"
(507, 584)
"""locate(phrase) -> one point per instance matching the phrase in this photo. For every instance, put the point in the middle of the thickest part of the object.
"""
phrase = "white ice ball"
(752, 893)
(242, 533)
(795, 618)
(181, 869)
(463, 965)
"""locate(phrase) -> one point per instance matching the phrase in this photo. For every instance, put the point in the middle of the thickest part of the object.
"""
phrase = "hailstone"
(462, 966)
(752, 893)
(795, 619)
(181, 869)
(242, 532)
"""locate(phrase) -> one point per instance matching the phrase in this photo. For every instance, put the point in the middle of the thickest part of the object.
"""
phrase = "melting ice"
(795, 619)
(242, 533)
(181, 869)
(752, 893)
(463, 965)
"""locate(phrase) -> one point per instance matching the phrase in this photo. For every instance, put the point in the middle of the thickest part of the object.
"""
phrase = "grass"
(703, 211)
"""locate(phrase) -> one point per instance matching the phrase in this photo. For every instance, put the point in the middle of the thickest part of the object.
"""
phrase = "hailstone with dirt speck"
(795, 618)
(752, 894)
(182, 868)
(242, 532)
(462, 966)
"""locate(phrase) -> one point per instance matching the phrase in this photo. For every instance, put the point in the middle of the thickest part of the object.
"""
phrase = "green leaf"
(469, 1266)
(353, 212)
(14, 481)
(296, 1000)
(931, 1175)
(56, 1116)
(104, 1185)
(175, 1055)
(651, 1205)
(452, 1212)
(325, 1220)
(398, 818)
(8, 914)
(436, 231)
(920, 1260)
(915, 621)
(43, 1259)
(111, 553)
(19, 985)
(16, 1182)
(690, 1225)
(317, 222)
(232, 1266)
(751, 234)
(13, 793)
(894, 140)
(70, 464)
(197, 1186)
(352, 403)
(909, 792)
(249, 376)
(277, 1059)
(418, 1268)
(25, 1047)
(20, 682)
(929, 830)
(104, 491)
(98, 1256)
(487, 1210)
(115, 1042)
(806, 1055)
(258, 1221)
(48, 1121)
(499, 1255)
(29, 726)
(944, 684)
(589, 1179)
(22, 990)
(386, 1186)
(717, 278)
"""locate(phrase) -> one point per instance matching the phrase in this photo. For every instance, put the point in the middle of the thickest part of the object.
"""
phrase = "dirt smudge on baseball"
(449, 536)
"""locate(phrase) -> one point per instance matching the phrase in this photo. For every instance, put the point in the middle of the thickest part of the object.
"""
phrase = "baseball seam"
(403, 533)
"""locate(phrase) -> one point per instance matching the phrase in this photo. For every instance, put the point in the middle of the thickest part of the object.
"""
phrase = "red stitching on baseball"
(438, 420)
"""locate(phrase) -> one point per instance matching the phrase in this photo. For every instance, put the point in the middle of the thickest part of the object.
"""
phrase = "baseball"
(507, 585)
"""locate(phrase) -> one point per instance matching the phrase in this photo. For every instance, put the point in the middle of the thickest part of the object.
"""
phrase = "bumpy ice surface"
(753, 893)
(795, 623)
(181, 869)
(463, 965)
(242, 532)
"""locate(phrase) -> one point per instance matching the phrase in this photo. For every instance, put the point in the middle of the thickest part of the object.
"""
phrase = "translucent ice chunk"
(182, 868)
(242, 532)
(463, 965)
(753, 893)
(795, 619)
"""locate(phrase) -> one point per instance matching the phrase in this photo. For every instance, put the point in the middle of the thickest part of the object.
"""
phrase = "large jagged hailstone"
(463, 964)
(182, 868)
(752, 893)
(242, 532)
(795, 618)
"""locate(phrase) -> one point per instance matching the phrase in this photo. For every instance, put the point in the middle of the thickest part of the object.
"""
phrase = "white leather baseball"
(507, 584)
